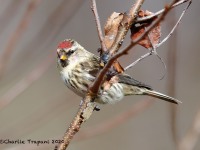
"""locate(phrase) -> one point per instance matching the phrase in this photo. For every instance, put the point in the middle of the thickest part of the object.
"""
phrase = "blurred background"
(36, 105)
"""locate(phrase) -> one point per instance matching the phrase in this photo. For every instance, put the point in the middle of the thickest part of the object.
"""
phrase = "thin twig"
(175, 26)
(138, 60)
(17, 34)
(164, 65)
(142, 58)
(125, 51)
(159, 12)
(98, 24)
(164, 40)
(153, 51)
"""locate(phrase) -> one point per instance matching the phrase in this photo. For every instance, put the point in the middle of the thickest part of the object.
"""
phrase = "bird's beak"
(63, 57)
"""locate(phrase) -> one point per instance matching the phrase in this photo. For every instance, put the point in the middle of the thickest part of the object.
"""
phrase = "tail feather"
(161, 96)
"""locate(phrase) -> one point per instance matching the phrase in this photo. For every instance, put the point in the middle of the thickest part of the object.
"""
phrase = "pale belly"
(112, 95)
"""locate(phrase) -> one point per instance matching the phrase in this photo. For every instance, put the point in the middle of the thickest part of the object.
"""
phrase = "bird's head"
(65, 50)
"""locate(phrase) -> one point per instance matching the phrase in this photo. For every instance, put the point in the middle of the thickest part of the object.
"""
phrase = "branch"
(158, 45)
(162, 42)
(98, 24)
(125, 25)
(84, 112)
(123, 29)
(146, 18)
(175, 26)
(125, 51)
(138, 60)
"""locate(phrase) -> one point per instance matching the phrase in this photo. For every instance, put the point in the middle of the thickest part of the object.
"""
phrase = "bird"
(79, 68)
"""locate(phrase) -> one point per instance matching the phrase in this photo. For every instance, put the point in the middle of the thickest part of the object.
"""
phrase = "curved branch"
(159, 12)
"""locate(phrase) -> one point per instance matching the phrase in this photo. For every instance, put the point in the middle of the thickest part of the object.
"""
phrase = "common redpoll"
(78, 68)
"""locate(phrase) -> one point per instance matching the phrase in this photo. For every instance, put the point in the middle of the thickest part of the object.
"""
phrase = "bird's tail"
(161, 96)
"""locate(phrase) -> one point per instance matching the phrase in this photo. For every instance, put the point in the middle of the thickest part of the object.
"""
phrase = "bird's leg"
(97, 108)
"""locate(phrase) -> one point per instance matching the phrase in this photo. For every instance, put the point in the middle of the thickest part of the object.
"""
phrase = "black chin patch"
(63, 63)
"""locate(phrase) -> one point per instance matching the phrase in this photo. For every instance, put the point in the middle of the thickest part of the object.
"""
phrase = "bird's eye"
(69, 53)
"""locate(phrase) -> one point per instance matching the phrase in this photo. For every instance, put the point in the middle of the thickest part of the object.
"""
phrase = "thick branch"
(82, 115)
(124, 27)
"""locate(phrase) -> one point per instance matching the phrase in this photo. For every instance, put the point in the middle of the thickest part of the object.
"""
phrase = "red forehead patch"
(65, 44)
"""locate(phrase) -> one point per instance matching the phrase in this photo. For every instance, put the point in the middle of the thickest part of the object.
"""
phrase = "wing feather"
(126, 79)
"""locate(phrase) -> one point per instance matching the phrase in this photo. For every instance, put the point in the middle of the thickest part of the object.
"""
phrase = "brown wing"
(126, 79)
(92, 66)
